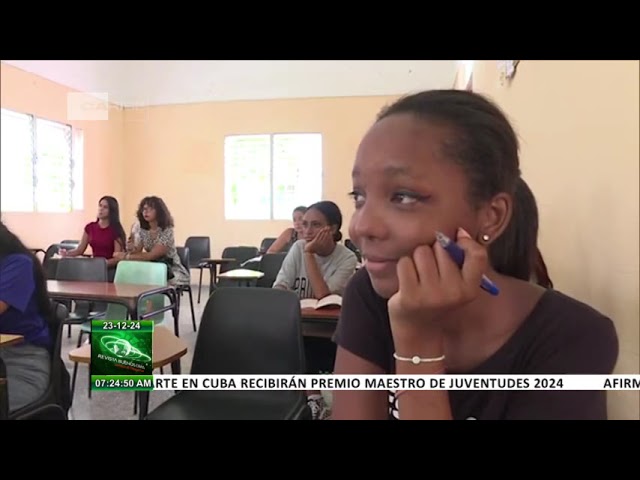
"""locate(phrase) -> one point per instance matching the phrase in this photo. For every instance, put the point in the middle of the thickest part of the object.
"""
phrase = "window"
(267, 176)
(40, 165)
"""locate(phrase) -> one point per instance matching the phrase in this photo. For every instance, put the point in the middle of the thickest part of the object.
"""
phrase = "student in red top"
(447, 160)
(106, 235)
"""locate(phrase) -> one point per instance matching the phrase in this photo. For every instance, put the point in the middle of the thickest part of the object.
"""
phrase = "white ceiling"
(137, 83)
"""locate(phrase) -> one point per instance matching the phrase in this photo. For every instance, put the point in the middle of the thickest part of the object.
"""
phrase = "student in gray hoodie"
(315, 267)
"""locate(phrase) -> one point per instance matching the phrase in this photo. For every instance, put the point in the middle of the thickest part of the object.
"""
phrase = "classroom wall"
(177, 152)
(578, 124)
(103, 156)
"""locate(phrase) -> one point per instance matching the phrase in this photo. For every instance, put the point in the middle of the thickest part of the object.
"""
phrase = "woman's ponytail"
(515, 252)
(540, 273)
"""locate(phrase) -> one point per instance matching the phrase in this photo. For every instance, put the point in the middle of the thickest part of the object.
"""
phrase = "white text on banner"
(396, 382)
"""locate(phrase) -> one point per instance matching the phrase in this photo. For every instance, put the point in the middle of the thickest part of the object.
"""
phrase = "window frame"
(272, 142)
(75, 159)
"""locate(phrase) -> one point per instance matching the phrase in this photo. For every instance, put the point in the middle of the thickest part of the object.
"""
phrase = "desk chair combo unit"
(233, 258)
(239, 255)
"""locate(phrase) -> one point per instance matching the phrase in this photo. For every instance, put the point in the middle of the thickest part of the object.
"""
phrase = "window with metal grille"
(267, 176)
(40, 164)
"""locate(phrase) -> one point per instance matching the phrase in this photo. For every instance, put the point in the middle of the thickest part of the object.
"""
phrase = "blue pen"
(457, 254)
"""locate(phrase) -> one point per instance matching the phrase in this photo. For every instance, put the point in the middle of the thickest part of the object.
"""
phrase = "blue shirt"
(18, 290)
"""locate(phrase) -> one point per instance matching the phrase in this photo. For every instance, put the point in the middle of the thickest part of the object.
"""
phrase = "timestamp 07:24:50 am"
(121, 382)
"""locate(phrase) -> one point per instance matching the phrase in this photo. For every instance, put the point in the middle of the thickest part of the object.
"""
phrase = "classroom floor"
(119, 405)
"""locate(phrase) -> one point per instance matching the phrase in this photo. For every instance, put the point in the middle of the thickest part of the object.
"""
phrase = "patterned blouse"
(165, 237)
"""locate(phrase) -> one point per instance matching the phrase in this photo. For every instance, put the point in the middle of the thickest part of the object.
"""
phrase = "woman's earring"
(485, 238)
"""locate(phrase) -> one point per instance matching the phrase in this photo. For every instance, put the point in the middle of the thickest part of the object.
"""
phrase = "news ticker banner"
(366, 382)
(122, 351)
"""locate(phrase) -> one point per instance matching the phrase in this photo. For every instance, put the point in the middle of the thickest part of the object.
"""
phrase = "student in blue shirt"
(24, 308)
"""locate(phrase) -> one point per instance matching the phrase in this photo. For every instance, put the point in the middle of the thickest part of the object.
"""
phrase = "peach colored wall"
(578, 124)
(103, 156)
(177, 152)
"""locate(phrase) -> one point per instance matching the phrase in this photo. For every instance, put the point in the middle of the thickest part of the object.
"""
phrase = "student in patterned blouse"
(155, 240)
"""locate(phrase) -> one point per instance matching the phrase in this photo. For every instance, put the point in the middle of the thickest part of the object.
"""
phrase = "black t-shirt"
(560, 336)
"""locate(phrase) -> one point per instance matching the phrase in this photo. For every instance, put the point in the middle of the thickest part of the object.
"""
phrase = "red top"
(101, 239)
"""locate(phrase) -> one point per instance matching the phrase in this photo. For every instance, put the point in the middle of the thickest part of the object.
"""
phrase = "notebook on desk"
(328, 301)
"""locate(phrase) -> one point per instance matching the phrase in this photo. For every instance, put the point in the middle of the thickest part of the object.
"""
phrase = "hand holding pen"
(438, 278)
(457, 254)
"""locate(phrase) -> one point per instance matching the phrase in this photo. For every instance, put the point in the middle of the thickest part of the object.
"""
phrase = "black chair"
(184, 254)
(56, 401)
(199, 248)
(83, 270)
(266, 244)
(240, 254)
(50, 264)
(352, 246)
(245, 331)
(270, 265)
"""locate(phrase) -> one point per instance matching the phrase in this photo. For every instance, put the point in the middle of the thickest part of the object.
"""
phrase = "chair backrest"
(266, 243)
(352, 246)
(69, 244)
(199, 248)
(82, 269)
(184, 253)
(250, 331)
(49, 263)
(140, 273)
(241, 254)
(270, 265)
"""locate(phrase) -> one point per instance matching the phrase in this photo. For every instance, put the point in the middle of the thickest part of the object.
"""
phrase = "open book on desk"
(328, 301)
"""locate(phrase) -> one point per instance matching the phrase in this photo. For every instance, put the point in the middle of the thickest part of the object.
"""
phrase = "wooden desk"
(127, 295)
(6, 339)
(167, 349)
(321, 322)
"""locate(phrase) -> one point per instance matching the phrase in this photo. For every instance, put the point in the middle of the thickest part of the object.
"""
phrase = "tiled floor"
(119, 405)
